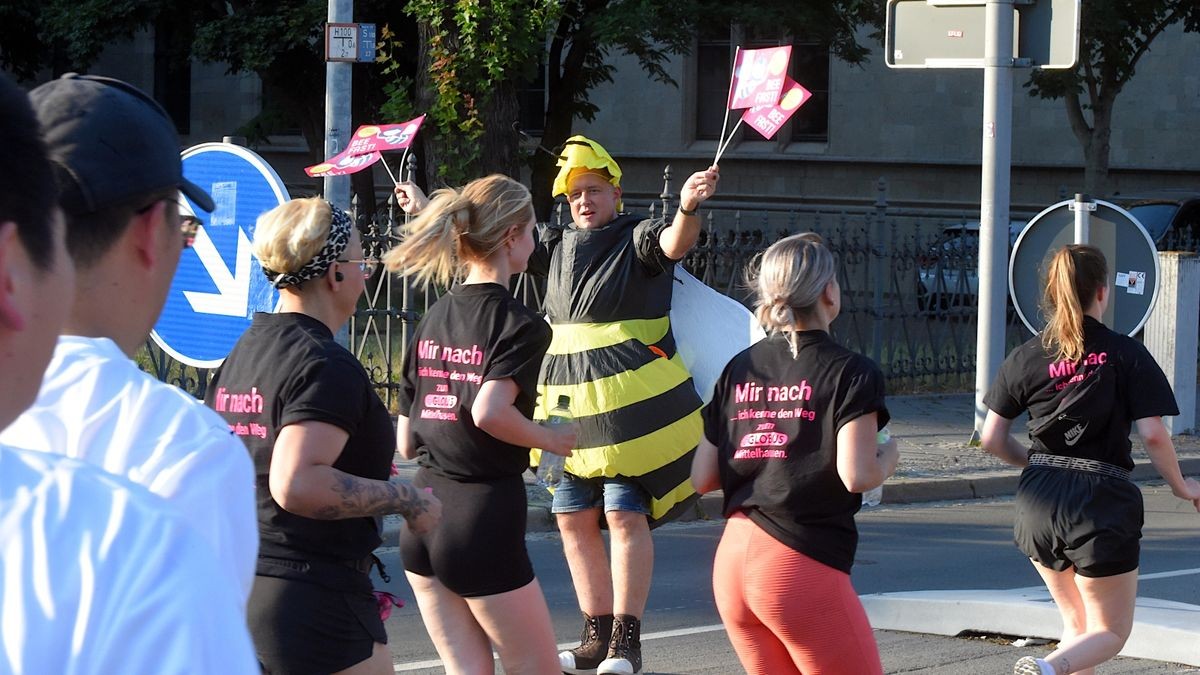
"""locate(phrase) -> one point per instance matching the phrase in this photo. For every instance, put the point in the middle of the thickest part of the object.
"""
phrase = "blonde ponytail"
(1075, 274)
(458, 227)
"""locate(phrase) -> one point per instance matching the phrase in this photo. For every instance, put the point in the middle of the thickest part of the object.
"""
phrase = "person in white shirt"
(97, 575)
(116, 157)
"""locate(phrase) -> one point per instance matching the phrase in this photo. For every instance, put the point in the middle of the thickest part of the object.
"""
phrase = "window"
(809, 66)
(531, 100)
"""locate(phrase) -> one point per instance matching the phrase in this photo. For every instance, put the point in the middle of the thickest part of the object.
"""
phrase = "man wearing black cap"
(101, 575)
(115, 154)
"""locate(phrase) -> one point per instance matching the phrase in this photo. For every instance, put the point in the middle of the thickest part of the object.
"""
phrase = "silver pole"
(994, 197)
(337, 109)
(1082, 207)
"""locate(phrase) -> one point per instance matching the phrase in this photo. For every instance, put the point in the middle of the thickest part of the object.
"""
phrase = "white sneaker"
(1028, 665)
(567, 661)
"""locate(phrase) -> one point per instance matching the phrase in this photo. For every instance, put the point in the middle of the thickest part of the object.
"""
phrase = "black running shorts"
(301, 627)
(1067, 518)
(478, 548)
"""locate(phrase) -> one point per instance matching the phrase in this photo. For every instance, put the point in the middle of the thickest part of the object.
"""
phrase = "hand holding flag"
(367, 146)
(698, 188)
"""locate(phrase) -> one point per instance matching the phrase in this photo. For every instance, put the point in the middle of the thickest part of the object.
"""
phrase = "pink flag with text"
(767, 119)
(367, 146)
(758, 77)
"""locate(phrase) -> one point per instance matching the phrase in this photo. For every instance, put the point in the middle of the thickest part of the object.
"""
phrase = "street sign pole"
(337, 109)
(1082, 206)
(994, 198)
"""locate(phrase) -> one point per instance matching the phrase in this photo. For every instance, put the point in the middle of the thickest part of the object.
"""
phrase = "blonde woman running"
(1078, 517)
(470, 384)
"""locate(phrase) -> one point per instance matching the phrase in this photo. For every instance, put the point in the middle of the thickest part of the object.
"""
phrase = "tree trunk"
(500, 146)
(563, 87)
(427, 173)
(1096, 152)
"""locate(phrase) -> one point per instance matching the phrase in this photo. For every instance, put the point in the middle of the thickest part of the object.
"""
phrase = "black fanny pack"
(1081, 416)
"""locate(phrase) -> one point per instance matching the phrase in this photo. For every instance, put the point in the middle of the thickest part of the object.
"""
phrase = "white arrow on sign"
(233, 290)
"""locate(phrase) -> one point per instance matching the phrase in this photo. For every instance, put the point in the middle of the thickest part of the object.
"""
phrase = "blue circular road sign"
(220, 285)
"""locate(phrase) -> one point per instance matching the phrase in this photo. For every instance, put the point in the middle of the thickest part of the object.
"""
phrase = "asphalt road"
(940, 546)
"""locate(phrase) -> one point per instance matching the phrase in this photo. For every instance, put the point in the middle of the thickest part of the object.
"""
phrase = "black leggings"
(478, 548)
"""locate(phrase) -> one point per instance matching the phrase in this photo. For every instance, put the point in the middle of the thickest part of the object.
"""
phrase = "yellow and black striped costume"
(608, 296)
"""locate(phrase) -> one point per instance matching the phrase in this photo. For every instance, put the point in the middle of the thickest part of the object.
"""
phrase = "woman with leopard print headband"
(322, 443)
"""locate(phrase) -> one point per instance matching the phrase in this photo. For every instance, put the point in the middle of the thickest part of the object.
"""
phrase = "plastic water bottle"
(873, 496)
(550, 467)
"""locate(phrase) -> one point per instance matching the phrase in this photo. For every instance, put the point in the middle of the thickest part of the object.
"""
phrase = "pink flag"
(767, 119)
(366, 147)
(758, 77)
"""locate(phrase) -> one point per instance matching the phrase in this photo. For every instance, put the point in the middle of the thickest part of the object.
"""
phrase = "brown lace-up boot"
(593, 646)
(625, 648)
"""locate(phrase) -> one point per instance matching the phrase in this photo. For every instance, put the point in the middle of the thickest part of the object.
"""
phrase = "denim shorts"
(574, 494)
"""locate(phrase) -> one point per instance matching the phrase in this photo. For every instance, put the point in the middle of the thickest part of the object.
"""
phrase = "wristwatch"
(686, 212)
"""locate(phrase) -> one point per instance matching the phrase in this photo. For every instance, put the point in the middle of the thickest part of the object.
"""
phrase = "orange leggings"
(785, 612)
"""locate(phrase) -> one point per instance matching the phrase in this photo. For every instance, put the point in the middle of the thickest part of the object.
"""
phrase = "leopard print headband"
(339, 236)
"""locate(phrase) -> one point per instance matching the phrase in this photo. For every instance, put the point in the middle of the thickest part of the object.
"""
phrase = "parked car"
(1171, 217)
(948, 274)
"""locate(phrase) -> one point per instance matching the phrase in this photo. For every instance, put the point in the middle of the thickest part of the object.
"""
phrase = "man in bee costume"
(608, 297)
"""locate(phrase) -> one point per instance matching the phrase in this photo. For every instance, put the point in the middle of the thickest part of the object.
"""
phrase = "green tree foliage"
(281, 41)
(472, 54)
(587, 32)
(1114, 36)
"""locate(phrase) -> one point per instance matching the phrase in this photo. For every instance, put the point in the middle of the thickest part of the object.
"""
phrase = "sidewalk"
(936, 462)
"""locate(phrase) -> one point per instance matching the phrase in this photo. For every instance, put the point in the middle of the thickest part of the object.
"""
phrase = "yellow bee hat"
(581, 152)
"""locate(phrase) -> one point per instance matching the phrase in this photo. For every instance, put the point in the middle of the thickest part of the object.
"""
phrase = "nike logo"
(1072, 435)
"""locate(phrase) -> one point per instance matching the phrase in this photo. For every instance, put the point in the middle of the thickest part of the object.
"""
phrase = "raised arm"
(410, 198)
(304, 482)
(684, 230)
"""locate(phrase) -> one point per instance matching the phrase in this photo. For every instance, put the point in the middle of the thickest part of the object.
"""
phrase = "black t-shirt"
(774, 420)
(473, 334)
(286, 369)
(1083, 409)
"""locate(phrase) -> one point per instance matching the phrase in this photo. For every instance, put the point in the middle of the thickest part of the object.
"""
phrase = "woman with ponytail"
(1078, 516)
(469, 387)
(791, 439)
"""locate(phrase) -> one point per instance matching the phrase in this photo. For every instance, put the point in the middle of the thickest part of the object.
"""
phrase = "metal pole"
(1083, 206)
(994, 197)
(337, 109)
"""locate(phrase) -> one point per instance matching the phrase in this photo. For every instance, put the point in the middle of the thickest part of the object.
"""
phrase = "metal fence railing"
(909, 287)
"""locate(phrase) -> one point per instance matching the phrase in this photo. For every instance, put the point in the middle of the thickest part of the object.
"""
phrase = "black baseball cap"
(109, 142)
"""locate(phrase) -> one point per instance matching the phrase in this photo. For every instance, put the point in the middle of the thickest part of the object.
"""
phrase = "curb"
(902, 491)
(1163, 630)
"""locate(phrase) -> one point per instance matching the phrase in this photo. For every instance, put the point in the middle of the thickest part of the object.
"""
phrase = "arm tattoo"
(360, 497)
